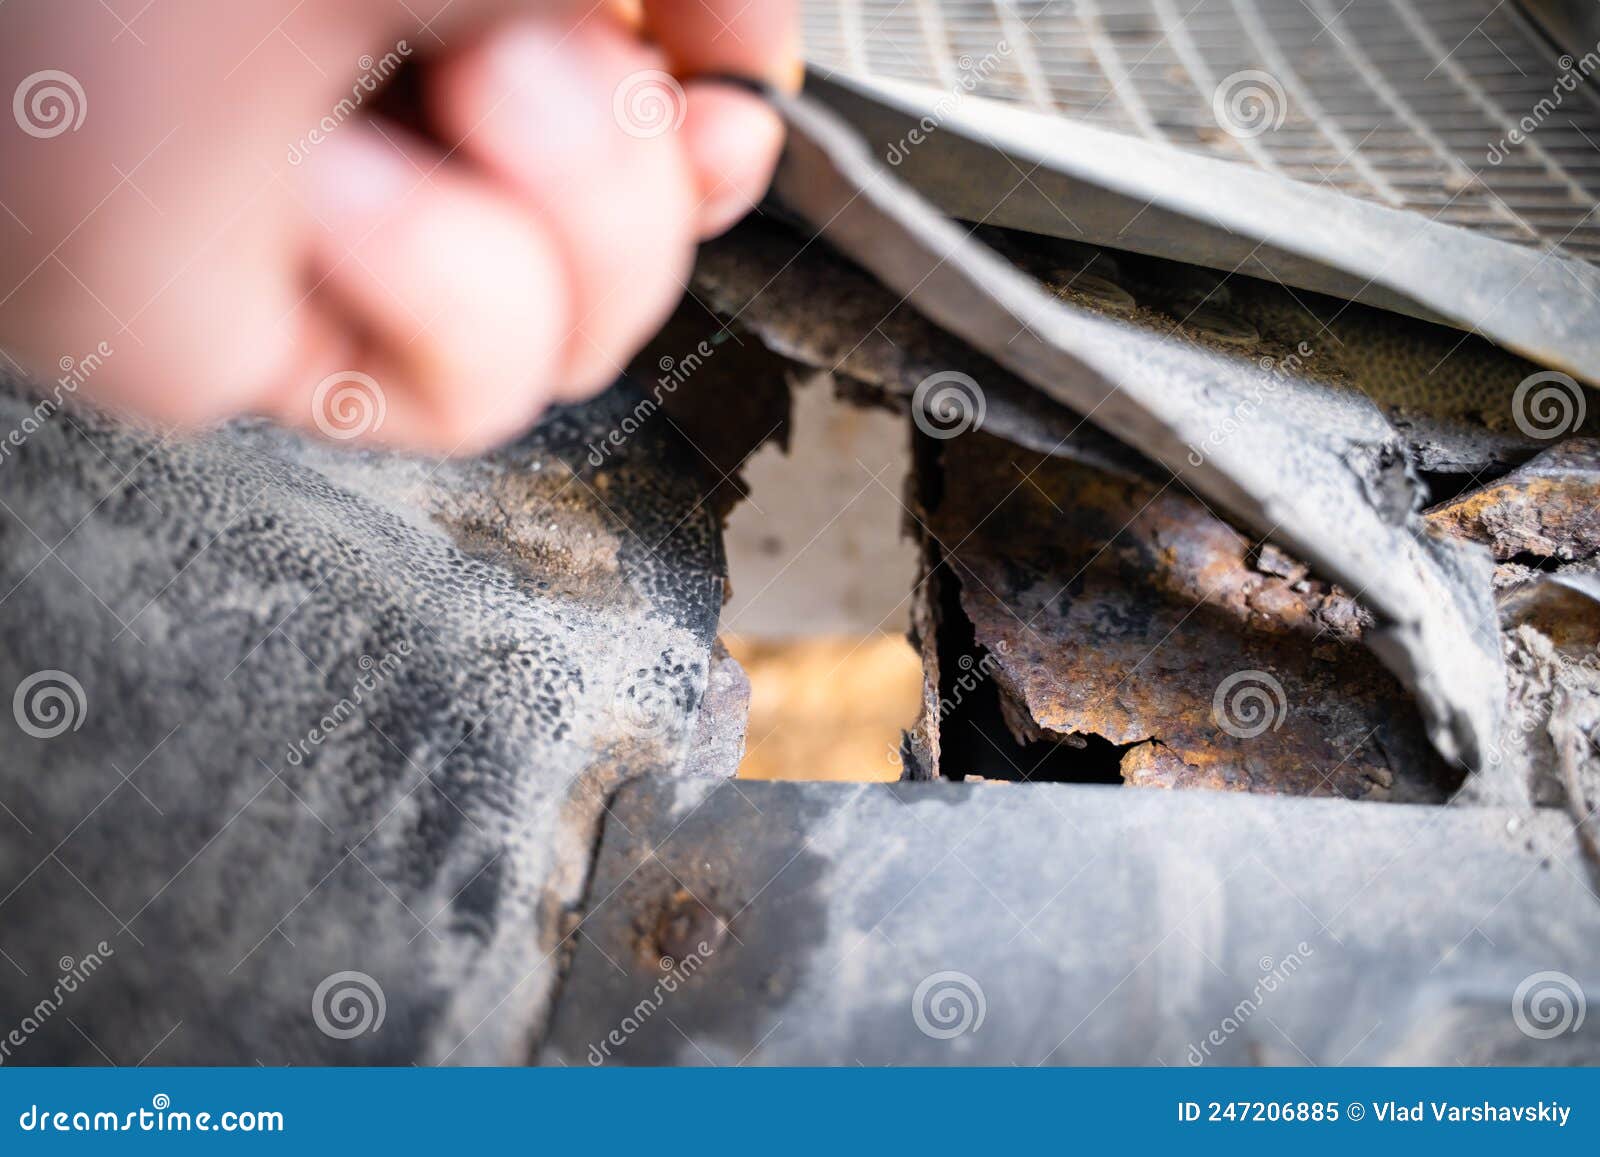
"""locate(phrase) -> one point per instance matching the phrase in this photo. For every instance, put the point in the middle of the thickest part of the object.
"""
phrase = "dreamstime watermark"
(160, 1117)
(1547, 1004)
(49, 703)
(1248, 704)
(973, 674)
(948, 1004)
(74, 373)
(49, 103)
(1514, 736)
(348, 404)
(348, 1004)
(1548, 404)
(373, 75)
(1273, 976)
(1527, 718)
(948, 404)
(674, 372)
(970, 74)
(374, 672)
(1274, 372)
(646, 706)
(1249, 103)
(677, 972)
(1573, 75)
(649, 103)
(74, 973)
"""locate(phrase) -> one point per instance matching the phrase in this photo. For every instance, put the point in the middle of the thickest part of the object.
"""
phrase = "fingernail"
(790, 75)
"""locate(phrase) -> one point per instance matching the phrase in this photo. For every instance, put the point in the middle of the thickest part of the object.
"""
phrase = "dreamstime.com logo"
(1575, 73)
(674, 372)
(348, 1004)
(948, 404)
(160, 1117)
(348, 404)
(1548, 404)
(49, 103)
(1274, 975)
(374, 73)
(948, 1004)
(374, 673)
(1248, 704)
(649, 103)
(1547, 1004)
(972, 674)
(49, 703)
(1274, 372)
(74, 372)
(1249, 103)
(970, 74)
(675, 974)
(74, 974)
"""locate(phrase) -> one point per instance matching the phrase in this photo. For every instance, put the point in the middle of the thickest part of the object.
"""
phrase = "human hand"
(234, 223)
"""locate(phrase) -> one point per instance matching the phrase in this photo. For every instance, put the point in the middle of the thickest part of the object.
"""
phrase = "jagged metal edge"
(1322, 474)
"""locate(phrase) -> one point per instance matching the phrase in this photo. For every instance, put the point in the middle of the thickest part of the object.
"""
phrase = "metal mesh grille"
(1411, 103)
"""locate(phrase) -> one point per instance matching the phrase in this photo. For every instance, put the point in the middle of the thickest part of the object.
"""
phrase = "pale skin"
(513, 250)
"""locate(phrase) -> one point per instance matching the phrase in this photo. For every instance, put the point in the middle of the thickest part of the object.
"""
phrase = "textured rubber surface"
(366, 709)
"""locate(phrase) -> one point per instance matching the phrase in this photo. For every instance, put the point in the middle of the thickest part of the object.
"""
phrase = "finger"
(754, 38)
(552, 111)
(459, 292)
(733, 139)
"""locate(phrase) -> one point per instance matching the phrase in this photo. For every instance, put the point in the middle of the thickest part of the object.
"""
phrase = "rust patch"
(1548, 508)
(1125, 609)
(679, 927)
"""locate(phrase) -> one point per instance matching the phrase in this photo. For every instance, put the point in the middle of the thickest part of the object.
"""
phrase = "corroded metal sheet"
(1549, 508)
(316, 740)
(1128, 610)
(1318, 470)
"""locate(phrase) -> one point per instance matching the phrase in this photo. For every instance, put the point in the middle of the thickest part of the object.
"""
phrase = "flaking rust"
(1320, 471)
(1118, 608)
(1549, 508)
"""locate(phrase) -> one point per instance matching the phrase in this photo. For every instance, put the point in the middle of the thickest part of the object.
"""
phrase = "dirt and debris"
(1551, 632)
(717, 743)
(1451, 400)
(815, 308)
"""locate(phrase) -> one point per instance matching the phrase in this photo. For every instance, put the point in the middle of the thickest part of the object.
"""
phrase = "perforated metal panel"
(1424, 105)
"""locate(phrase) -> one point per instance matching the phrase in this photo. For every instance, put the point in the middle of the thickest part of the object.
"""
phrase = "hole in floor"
(827, 708)
(822, 578)
(974, 738)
